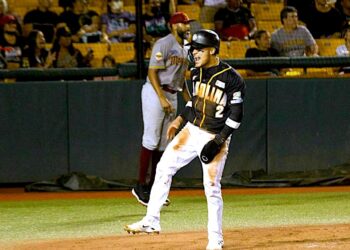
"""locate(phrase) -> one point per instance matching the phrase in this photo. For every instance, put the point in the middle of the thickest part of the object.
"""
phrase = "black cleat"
(141, 193)
(167, 202)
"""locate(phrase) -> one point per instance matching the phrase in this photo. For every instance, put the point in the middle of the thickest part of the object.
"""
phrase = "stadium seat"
(58, 10)
(234, 49)
(266, 12)
(193, 10)
(127, 2)
(97, 9)
(21, 11)
(242, 72)
(123, 52)
(328, 46)
(320, 71)
(100, 50)
(24, 3)
(130, 8)
(208, 26)
(270, 26)
(225, 50)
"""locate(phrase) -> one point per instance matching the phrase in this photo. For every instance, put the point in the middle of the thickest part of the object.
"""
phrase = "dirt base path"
(298, 237)
(294, 237)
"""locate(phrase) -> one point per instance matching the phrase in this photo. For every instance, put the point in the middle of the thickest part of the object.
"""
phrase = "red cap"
(8, 19)
(179, 17)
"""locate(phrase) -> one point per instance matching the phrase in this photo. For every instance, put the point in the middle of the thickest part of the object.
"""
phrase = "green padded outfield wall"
(33, 131)
(308, 124)
(50, 129)
(105, 130)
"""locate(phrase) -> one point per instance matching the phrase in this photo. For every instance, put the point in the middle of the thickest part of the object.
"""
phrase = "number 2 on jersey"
(219, 111)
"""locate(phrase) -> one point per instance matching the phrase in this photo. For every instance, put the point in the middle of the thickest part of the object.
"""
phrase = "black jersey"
(217, 100)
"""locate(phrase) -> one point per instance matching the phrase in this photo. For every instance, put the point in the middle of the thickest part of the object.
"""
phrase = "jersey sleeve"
(235, 97)
(158, 56)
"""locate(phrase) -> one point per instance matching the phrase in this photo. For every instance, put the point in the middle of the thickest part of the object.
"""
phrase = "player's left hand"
(173, 127)
(211, 149)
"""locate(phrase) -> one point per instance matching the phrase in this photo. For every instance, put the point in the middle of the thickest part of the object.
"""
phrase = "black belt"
(167, 89)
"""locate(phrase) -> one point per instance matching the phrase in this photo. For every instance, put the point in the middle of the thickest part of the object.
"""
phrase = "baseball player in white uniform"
(214, 112)
(166, 77)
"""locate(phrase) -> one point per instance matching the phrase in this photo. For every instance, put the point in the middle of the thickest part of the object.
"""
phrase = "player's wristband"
(187, 111)
(223, 135)
(219, 140)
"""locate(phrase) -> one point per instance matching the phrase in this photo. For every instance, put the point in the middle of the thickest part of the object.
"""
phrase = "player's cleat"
(167, 202)
(141, 193)
(142, 227)
(215, 245)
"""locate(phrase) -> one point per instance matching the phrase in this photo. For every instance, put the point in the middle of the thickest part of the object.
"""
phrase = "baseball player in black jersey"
(214, 112)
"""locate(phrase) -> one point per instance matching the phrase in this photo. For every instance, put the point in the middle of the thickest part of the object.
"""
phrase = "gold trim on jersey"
(157, 67)
(205, 90)
(195, 105)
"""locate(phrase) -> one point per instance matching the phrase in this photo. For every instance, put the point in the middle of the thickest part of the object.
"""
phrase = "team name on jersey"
(210, 93)
(176, 60)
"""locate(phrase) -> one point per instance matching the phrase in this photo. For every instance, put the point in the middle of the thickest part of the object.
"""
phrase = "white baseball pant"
(155, 121)
(187, 145)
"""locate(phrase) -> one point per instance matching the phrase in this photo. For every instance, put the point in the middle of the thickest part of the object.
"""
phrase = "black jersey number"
(219, 111)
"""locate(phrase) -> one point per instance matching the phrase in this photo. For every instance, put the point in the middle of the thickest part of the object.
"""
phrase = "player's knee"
(163, 176)
(150, 145)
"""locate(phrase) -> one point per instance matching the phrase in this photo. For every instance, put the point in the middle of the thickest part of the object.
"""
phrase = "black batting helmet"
(204, 39)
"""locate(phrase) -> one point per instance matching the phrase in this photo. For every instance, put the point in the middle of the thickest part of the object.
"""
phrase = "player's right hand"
(166, 105)
(173, 127)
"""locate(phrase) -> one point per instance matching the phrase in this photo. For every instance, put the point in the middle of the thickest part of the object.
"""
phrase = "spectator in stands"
(302, 7)
(155, 23)
(79, 19)
(65, 4)
(66, 55)
(3, 11)
(118, 24)
(35, 54)
(90, 31)
(108, 61)
(344, 8)
(11, 42)
(209, 8)
(344, 50)
(263, 49)
(169, 6)
(42, 18)
(234, 22)
(323, 20)
(293, 39)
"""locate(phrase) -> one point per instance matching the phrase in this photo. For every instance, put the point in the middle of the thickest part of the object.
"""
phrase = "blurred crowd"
(46, 36)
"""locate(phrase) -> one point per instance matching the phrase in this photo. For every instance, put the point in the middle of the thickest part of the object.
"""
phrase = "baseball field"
(255, 218)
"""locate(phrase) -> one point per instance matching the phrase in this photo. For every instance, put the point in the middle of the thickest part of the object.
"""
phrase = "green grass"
(27, 220)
